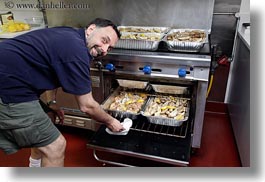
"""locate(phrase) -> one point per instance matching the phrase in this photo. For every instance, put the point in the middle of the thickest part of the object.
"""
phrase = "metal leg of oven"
(200, 108)
(109, 162)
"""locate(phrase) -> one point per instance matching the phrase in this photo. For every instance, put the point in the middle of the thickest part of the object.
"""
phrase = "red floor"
(218, 148)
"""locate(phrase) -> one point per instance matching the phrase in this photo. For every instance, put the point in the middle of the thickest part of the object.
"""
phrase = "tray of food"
(125, 102)
(170, 89)
(132, 84)
(143, 29)
(139, 41)
(167, 110)
(187, 40)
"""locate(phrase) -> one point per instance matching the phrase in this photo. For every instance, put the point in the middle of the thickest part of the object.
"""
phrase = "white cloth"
(127, 124)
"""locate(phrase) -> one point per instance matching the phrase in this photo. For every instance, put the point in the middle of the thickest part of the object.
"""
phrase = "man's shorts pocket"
(26, 136)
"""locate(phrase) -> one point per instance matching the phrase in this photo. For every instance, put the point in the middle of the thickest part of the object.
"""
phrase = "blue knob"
(110, 67)
(147, 69)
(182, 72)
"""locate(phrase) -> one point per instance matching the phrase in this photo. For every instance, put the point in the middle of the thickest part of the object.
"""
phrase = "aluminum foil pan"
(162, 120)
(143, 29)
(140, 41)
(185, 45)
(169, 89)
(132, 84)
(120, 113)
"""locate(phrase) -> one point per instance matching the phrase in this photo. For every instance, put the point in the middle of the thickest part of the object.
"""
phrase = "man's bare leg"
(52, 155)
(35, 158)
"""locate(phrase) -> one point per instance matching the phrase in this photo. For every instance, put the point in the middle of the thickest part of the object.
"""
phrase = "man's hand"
(56, 112)
(115, 126)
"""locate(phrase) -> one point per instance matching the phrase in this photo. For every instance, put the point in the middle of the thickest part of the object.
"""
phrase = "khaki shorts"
(24, 125)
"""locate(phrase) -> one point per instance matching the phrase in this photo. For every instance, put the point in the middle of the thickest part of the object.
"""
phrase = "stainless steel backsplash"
(172, 13)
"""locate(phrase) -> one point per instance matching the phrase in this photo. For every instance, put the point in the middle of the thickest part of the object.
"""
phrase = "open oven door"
(164, 144)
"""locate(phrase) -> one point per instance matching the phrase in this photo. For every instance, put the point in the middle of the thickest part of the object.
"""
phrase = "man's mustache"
(99, 52)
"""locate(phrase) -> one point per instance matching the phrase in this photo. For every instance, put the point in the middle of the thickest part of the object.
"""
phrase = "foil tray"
(165, 121)
(162, 120)
(132, 84)
(119, 114)
(185, 46)
(143, 29)
(149, 45)
(169, 89)
(140, 87)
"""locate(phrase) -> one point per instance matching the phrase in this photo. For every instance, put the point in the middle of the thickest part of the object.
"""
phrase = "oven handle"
(109, 162)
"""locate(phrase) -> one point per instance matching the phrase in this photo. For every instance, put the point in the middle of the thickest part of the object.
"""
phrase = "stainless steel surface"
(163, 64)
(161, 57)
(238, 91)
(79, 122)
(239, 102)
(167, 13)
(234, 47)
(199, 113)
(109, 162)
(133, 154)
(224, 23)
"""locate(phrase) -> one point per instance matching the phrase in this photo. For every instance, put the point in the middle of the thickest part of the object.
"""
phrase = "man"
(44, 60)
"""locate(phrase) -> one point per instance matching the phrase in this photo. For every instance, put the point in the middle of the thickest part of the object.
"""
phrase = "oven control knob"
(110, 67)
(182, 72)
(147, 69)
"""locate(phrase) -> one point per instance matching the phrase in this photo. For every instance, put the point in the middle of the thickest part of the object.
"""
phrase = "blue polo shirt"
(42, 60)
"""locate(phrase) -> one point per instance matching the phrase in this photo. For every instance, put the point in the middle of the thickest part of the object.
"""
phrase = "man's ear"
(91, 28)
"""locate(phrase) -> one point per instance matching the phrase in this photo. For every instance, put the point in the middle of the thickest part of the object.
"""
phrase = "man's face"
(100, 40)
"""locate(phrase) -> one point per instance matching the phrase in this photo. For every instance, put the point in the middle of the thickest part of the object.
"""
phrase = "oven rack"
(141, 123)
(173, 131)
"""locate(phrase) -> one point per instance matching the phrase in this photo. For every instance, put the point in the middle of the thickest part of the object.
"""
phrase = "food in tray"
(187, 36)
(141, 36)
(128, 102)
(141, 29)
(167, 107)
(14, 26)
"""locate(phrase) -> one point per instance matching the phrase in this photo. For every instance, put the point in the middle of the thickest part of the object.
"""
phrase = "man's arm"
(50, 96)
(88, 105)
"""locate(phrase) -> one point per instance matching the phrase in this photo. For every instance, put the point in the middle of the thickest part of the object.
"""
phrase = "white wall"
(20, 14)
